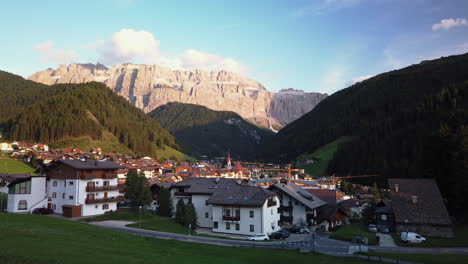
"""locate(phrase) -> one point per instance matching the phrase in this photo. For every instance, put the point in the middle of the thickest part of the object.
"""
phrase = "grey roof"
(241, 195)
(429, 208)
(205, 185)
(299, 194)
(13, 177)
(91, 164)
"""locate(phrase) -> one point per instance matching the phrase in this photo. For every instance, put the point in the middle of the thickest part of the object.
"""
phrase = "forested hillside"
(205, 132)
(34, 112)
(406, 123)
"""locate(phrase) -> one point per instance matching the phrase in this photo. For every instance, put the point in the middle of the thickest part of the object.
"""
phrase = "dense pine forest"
(39, 113)
(411, 122)
(205, 132)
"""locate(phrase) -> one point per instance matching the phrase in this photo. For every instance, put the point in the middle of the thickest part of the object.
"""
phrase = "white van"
(411, 237)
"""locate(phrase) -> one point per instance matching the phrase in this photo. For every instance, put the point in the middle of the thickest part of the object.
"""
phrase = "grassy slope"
(460, 239)
(347, 232)
(12, 166)
(44, 239)
(425, 258)
(170, 153)
(322, 157)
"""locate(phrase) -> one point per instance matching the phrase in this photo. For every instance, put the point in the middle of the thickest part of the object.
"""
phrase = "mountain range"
(150, 86)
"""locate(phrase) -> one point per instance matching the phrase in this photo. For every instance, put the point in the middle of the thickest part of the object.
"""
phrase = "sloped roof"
(205, 185)
(329, 196)
(299, 194)
(91, 164)
(241, 195)
(429, 207)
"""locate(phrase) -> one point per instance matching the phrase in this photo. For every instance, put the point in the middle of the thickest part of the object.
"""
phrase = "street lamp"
(139, 222)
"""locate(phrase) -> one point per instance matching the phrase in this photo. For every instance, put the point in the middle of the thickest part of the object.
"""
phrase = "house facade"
(83, 187)
(227, 206)
(298, 207)
(418, 207)
(26, 193)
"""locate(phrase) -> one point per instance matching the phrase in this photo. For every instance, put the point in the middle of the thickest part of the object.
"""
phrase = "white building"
(83, 187)
(26, 193)
(226, 206)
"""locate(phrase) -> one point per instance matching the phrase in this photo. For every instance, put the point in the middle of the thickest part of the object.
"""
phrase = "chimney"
(414, 198)
(396, 188)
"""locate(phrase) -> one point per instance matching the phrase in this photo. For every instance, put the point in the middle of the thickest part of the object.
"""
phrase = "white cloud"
(323, 7)
(333, 80)
(449, 23)
(358, 79)
(50, 54)
(390, 60)
(129, 45)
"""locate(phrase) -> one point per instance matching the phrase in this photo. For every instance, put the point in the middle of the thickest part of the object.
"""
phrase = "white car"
(258, 237)
(411, 237)
(372, 228)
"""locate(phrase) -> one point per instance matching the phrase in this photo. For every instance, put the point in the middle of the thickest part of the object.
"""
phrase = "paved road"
(323, 244)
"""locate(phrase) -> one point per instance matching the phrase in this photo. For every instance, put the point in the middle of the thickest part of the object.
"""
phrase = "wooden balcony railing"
(271, 203)
(101, 188)
(231, 218)
(88, 176)
(110, 176)
(286, 208)
(104, 200)
(183, 194)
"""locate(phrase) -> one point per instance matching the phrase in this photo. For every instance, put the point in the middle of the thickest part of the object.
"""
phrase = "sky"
(312, 45)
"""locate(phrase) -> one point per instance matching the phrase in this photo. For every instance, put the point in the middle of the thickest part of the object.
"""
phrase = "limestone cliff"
(150, 86)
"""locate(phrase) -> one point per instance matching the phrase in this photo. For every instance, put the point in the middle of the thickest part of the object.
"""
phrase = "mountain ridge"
(150, 86)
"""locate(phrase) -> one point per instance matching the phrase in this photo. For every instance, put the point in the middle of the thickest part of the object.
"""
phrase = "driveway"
(386, 240)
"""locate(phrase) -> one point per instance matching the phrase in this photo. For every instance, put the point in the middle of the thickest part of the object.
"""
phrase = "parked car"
(43, 211)
(282, 234)
(304, 230)
(372, 228)
(384, 229)
(411, 237)
(292, 229)
(258, 237)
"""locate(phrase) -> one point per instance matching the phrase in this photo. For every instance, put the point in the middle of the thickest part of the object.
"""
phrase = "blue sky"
(313, 45)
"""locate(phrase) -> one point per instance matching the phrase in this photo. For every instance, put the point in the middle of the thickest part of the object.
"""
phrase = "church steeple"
(229, 163)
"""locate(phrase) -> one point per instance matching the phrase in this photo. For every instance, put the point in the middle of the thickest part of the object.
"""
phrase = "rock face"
(150, 86)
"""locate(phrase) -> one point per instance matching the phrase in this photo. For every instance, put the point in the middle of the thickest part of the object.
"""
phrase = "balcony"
(101, 188)
(104, 200)
(231, 218)
(286, 219)
(181, 194)
(88, 176)
(286, 208)
(2, 184)
(271, 203)
(109, 176)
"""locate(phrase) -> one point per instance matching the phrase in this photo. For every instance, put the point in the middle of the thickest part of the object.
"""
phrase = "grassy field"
(45, 239)
(170, 153)
(347, 233)
(322, 157)
(460, 239)
(425, 258)
(13, 166)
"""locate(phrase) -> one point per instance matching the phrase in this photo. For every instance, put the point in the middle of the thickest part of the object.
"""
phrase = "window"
(237, 227)
(54, 207)
(23, 205)
(106, 183)
(228, 226)
(296, 203)
(215, 225)
(54, 183)
(64, 183)
(206, 215)
(251, 214)
(59, 170)
(252, 229)
(70, 183)
(20, 188)
(105, 206)
(237, 213)
(63, 195)
(384, 217)
(228, 212)
(70, 197)
(54, 195)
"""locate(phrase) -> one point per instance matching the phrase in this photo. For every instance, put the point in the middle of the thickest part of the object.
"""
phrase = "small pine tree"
(165, 203)
(190, 216)
(137, 189)
(180, 211)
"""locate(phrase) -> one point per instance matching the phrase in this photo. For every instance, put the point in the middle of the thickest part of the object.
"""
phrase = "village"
(233, 199)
